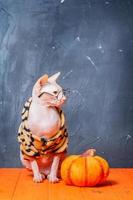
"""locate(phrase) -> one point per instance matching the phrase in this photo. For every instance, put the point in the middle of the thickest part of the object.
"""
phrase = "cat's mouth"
(56, 102)
(53, 101)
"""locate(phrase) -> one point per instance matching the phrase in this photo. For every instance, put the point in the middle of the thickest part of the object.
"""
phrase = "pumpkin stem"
(89, 152)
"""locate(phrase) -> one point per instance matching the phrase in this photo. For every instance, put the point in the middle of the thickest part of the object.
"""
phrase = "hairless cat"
(42, 133)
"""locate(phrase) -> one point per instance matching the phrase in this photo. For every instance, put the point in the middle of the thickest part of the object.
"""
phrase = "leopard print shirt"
(32, 146)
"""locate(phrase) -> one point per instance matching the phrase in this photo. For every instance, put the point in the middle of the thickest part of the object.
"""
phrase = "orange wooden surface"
(17, 184)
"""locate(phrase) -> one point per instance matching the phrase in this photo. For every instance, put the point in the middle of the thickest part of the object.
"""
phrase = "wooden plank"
(8, 182)
(26, 189)
(61, 191)
(124, 189)
(17, 184)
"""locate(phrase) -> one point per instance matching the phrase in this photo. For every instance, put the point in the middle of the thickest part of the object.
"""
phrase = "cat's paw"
(38, 178)
(52, 178)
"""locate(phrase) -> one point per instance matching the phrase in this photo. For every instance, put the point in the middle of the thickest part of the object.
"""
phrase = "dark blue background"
(91, 43)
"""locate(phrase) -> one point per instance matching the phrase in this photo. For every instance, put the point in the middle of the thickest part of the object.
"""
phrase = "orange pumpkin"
(84, 170)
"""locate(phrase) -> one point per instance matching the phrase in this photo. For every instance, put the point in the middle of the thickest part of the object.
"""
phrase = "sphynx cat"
(44, 120)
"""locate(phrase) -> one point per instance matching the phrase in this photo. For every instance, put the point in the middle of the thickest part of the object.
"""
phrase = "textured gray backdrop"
(91, 43)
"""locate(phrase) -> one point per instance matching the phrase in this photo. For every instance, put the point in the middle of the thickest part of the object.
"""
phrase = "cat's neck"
(38, 103)
(43, 120)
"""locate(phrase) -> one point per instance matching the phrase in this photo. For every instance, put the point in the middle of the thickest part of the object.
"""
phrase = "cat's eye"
(55, 92)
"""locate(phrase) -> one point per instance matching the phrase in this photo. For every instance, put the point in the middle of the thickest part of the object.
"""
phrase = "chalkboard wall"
(91, 43)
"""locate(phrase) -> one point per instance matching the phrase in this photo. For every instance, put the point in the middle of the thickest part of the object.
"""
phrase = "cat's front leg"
(52, 177)
(38, 177)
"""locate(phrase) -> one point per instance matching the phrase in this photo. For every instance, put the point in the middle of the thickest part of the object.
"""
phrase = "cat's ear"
(42, 80)
(54, 77)
(38, 85)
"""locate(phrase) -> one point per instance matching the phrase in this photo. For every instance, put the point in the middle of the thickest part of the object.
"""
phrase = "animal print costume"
(33, 146)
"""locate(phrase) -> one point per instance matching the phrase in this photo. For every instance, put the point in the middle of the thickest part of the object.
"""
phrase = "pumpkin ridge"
(102, 175)
(86, 171)
(69, 171)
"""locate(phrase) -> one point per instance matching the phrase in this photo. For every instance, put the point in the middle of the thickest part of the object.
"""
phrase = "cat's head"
(47, 92)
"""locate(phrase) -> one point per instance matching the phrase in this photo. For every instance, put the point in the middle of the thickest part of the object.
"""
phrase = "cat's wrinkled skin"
(44, 120)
